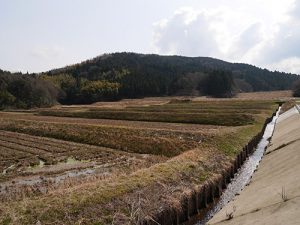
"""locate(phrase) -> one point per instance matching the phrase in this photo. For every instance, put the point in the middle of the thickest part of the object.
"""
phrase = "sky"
(39, 35)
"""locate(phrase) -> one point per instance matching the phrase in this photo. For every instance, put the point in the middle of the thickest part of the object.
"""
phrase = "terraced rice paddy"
(222, 113)
(98, 164)
(47, 163)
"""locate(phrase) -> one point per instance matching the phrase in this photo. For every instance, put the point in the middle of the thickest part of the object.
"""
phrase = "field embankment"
(273, 196)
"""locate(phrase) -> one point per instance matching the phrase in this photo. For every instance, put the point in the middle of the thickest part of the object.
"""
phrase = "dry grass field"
(117, 163)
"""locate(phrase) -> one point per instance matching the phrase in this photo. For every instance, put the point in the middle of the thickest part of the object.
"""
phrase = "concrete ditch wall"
(273, 195)
(208, 193)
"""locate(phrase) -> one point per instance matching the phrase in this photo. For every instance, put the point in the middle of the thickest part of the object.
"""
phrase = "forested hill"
(130, 75)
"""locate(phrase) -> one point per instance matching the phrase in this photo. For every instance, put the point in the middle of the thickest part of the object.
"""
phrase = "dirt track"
(273, 196)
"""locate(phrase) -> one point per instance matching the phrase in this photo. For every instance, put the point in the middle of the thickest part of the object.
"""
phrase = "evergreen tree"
(219, 84)
(296, 89)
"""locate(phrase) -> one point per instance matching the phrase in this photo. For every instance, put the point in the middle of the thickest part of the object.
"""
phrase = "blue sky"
(38, 35)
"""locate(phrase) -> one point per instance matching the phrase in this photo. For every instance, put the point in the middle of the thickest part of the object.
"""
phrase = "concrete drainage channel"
(244, 174)
(206, 200)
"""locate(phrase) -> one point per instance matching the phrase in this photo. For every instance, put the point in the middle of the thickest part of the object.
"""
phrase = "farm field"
(34, 165)
(227, 113)
(109, 163)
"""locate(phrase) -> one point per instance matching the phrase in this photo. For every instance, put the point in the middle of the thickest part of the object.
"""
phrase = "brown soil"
(21, 163)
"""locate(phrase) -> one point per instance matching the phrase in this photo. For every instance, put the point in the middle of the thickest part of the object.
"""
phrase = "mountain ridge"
(133, 75)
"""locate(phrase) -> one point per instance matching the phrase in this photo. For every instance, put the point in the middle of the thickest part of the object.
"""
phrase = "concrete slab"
(273, 196)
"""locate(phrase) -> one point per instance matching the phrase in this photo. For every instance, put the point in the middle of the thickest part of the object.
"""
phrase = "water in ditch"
(243, 176)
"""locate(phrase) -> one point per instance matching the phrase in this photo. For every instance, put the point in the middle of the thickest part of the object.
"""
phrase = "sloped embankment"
(273, 196)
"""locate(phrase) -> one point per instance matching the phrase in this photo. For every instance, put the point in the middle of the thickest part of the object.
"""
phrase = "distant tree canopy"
(296, 89)
(93, 91)
(25, 91)
(81, 90)
(153, 75)
(129, 75)
(218, 84)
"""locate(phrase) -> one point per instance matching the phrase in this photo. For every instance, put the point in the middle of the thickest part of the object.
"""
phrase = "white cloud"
(214, 32)
(285, 45)
(247, 44)
(265, 33)
(185, 33)
(291, 64)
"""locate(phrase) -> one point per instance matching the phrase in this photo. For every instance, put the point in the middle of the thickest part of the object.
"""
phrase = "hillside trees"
(77, 90)
(129, 75)
(152, 75)
(93, 91)
(296, 89)
(218, 83)
(25, 91)
(6, 98)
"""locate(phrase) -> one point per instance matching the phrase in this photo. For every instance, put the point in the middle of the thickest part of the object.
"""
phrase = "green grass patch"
(231, 143)
(6, 221)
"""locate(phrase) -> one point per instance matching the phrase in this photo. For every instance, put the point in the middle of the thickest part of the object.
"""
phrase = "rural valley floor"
(118, 163)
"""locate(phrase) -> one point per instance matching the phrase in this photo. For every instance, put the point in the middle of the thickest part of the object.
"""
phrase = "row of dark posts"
(206, 194)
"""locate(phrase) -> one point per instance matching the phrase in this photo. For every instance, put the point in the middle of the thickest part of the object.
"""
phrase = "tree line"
(25, 91)
(153, 75)
(130, 75)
